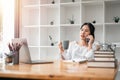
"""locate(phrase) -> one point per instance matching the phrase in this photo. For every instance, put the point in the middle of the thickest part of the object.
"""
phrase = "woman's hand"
(91, 40)
(61, 48)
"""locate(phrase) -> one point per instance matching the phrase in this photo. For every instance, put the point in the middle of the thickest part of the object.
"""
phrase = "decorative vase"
(53, 2)
(94, 21)
(71, 22)
(52, 44)
(73, 0)
(116, 21)
(51, 23)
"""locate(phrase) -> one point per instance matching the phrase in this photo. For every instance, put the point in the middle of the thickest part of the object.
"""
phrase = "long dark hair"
(91, 27)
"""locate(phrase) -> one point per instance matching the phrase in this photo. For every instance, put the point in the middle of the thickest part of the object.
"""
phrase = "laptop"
(24, 53)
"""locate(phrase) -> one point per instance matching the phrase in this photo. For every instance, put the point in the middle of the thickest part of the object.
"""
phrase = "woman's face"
(84, 32)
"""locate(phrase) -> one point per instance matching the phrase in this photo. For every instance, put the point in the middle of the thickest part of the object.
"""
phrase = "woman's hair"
(91, 27)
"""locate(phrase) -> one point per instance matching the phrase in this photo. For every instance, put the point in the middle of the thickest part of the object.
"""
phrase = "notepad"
(75, 60)
(102, 64)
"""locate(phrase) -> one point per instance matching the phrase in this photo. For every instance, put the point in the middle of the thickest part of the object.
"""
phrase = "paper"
(75, 60)
(79, 60)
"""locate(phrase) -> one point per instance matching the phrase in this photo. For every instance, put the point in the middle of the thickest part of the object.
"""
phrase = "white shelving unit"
(40, 19)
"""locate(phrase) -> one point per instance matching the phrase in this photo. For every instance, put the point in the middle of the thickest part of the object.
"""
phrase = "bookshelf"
(41, 18)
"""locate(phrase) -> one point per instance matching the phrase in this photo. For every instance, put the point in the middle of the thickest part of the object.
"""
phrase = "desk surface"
(57, 70)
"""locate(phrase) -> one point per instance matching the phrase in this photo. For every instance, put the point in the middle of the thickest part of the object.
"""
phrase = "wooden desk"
(57, 70)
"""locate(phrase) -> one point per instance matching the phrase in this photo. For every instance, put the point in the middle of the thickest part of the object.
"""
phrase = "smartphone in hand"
(87, 40)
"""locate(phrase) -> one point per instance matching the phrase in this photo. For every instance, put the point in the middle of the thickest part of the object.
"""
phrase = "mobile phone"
(87, 40)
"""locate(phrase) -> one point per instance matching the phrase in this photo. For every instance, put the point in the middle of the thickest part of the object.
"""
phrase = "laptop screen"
(24, 53)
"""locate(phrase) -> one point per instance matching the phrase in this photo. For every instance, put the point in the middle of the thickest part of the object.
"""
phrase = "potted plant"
(53, 2)
(52, 42)
(71, 20)
(116, 19)
(73, 0)
(52, 22)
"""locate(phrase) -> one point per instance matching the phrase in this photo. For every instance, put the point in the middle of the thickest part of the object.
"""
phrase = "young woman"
(83, 49)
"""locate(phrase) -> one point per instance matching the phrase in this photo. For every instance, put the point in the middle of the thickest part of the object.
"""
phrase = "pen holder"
(16, 57)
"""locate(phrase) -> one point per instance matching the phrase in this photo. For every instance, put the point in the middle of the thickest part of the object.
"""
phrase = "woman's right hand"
(61, 47)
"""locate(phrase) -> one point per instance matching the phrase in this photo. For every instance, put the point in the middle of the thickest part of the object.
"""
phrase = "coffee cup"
(65, 44)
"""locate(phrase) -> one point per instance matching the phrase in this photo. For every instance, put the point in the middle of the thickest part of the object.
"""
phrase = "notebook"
(104, 59)
(24, 53)
(104, 56)
(101, 64)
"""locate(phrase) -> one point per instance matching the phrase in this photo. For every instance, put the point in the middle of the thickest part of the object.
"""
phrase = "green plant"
(116, 19)
(10, 55)
(50, 38)
(52, 42)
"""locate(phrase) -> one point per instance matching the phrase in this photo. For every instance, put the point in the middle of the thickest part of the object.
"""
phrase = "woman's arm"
(65, 54)
(89, 55)
(96, 46)
(93, 47)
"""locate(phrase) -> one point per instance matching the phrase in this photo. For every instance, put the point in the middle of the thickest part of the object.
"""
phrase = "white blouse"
(78, 53)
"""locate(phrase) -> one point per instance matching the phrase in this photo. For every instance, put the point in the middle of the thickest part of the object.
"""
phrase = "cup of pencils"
(14, 52)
